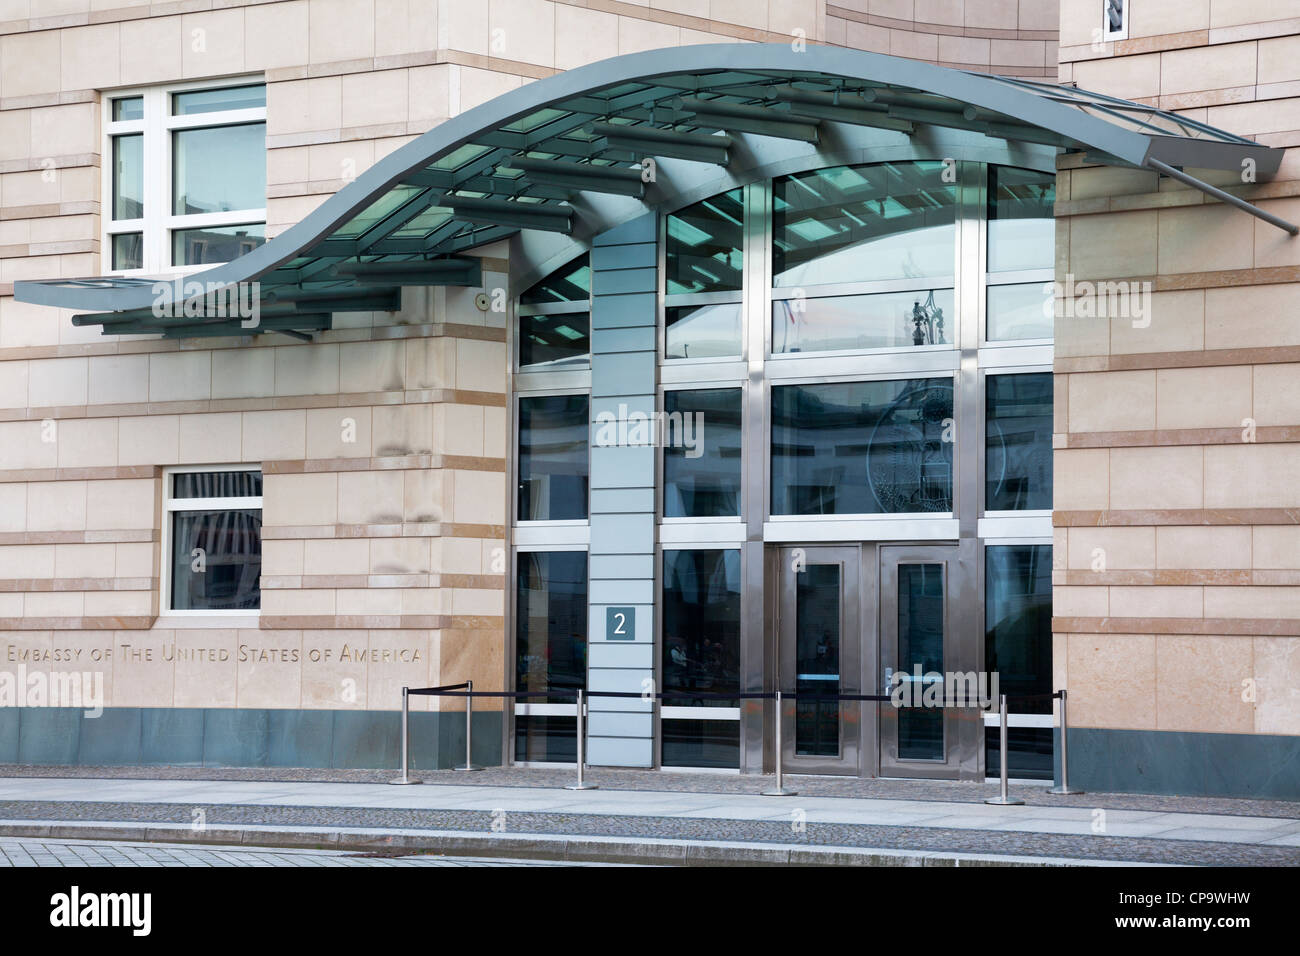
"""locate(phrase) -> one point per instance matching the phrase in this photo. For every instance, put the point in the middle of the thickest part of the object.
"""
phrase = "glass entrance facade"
(857, 356)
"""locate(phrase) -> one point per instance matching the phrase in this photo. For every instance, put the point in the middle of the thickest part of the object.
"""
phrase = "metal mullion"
(967, 404)
(246, 117)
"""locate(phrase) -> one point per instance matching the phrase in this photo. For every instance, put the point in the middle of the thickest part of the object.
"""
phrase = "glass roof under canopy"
(534, 157)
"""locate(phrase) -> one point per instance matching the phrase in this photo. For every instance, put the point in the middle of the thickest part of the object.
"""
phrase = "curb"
(573, 849)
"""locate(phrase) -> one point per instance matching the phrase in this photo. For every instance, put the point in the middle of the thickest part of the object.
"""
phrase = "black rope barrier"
(460, 690)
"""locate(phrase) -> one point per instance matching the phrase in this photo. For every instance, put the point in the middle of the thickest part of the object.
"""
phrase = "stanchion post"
(469, 728)
(1003, 799)
(582, 749)
(1064, 789)
(779, 790)
(405, 778)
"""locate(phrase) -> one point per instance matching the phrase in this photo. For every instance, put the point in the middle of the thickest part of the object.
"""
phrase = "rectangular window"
(891, 320)
(188, 175)
(1018, 442)
(1021, 311)
(702, 331)
(862, 447)
(553, 459)
(1021, 227)
(701, 654)
(214, 535)
(704, 245)
(555, 319)
(1018, 648)
(550, 650)
(702, 470)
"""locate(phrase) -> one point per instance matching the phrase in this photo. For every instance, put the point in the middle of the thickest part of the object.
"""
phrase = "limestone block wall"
(1177, 510)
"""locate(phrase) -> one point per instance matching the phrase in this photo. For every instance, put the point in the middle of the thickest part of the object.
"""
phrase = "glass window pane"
(702, 469)
(217, 484)
(192, 247)
(703, 251)
(128, 108)
(128, 176)
(217, 560)
(1018, 646)
(128, 251)
(553, 431)
(550, 647)
(920, 647)
(701, 743)
(701, 625)
(887, 321)
(1018, 442)
(817, 659)
(1022, 232)
(862, 447)
(863, 223)
(211, 101)
(218, 169)
(554, 340)
(570, 283)
(1020, 312)
(703, 331)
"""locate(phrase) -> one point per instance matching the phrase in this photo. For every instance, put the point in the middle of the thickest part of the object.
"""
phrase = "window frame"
(157, 125)
(172, 505)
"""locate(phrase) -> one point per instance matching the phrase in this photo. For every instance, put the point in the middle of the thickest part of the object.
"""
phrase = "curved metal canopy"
(529, 159)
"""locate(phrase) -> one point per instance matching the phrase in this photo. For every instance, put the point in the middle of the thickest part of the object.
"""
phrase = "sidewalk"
(532, 815)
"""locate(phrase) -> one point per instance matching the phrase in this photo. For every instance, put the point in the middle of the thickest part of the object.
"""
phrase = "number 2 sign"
(620, 623)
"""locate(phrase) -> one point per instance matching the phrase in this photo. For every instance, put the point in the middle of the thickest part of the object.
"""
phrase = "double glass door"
(855, 619)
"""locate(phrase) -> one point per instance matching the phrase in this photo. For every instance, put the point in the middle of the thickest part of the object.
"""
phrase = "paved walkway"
(1096, 832)
(23, 851)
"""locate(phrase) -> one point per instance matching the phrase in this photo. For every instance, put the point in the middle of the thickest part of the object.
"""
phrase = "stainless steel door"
(819, 653)
(924, 639)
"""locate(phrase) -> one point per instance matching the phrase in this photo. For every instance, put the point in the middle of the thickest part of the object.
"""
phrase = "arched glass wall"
(869, 350)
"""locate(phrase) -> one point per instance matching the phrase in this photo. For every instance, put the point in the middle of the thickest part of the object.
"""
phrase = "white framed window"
(184, 175)
(212, 540)
(1114, 20)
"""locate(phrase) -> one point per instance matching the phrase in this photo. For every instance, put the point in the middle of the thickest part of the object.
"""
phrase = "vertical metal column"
(1064, 789)
(582, 755)
(469, 728)
(779, 790)
(405, 778)
(1003, 799)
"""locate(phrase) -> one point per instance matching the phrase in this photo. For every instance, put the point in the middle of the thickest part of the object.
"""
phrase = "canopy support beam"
(1217, 193)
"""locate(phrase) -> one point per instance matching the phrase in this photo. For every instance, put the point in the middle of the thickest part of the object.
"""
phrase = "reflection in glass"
(702, 331)
(569, 283)
(1018, 646)
(817, 659)
(217, 484)
(218, 169)
(703, 251)
(1022, 232)
(863, 223)
(553, 432)
(128, 251)
(128, 108)
(862, 447)
(128, 176)
(886, 321)
(702, 624)
(701, 743)
(1018, 442)
(193, 247)
(211, 101)
(217, 560)
(550, 647)
(1020, 312)
(556, 340)
(920, 645)
(703, 481)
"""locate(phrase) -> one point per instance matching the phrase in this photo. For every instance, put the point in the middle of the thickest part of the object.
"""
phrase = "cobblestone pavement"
(687, 782)
(25, 851)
